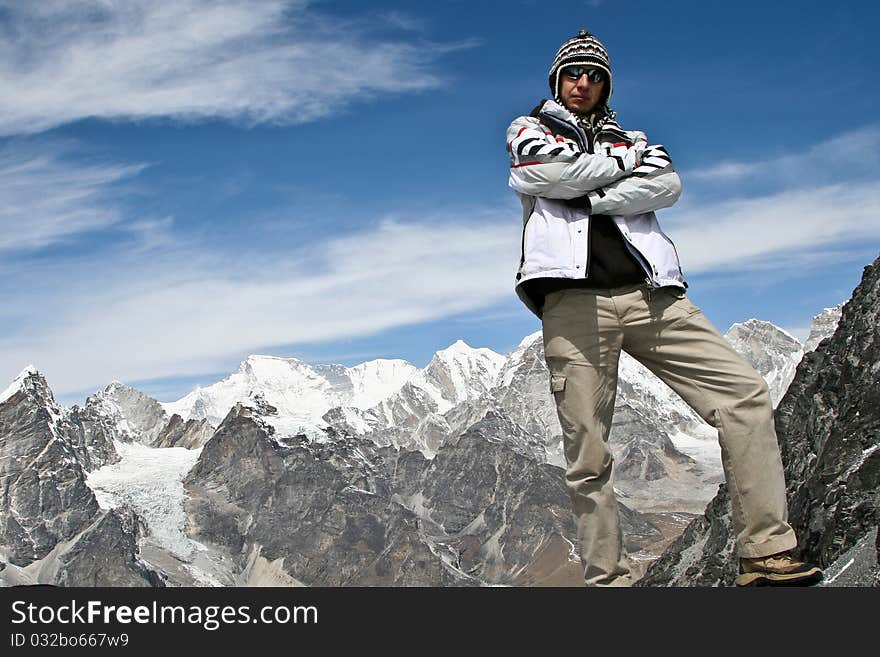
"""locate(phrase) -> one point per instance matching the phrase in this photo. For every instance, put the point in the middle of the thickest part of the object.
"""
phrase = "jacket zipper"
(643, 261)
(578, 132)
(587, 263)
(590, 145)
(677, 259)
(585, 146)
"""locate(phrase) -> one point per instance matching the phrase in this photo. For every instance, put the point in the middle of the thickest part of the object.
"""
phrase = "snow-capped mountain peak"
(289, 384)
(301, 393)
(824, 325)
(772, 351)
(19, 382)
(376, 380)
(456, 349)
(274, 370)
(458, 373)
(529, 340)
(36, 389)
(517, 358)
(132, 415)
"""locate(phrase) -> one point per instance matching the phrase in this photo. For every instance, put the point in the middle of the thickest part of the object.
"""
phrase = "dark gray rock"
(90, 438)
(104, 554)
(858, 566)
(642, 450)
(44, 498)
(346, 512)
(507, 514)
(179, 433)
(304, 504)
(51, 528)
(828, 424)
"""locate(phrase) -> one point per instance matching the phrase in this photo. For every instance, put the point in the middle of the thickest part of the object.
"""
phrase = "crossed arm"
(622, 180)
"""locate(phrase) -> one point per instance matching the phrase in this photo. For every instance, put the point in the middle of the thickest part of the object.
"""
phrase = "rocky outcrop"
(104, 554)
(772, 352)
(828, 426)
(52, 530)
(823, 326)
(44, 498)
(643, 451)
(346, 512)
(126, 414)
(293, 504)
(830, 431)
(179, 433)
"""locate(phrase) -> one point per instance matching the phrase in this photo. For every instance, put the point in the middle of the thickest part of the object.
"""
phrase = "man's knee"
(755, 391)
(583, 476)
(749, 393)
(746, 387)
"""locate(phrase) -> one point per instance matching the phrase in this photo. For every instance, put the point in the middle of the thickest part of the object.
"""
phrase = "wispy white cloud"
(774, 229)
(797, 210)
(184, 309)
(188, 312)
(47, 199)
(845, 156)
(245, 60)
(402, 20)
(150, 234)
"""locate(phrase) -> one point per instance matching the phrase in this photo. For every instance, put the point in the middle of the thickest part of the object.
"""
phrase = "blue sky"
(186, 183)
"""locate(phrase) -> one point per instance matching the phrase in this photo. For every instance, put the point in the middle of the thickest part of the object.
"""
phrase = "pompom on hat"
(583, 49)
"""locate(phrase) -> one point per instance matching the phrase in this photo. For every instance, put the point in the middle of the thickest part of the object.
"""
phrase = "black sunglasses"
(594, 75)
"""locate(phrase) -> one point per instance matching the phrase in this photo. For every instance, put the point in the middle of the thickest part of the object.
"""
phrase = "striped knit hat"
(583, 49)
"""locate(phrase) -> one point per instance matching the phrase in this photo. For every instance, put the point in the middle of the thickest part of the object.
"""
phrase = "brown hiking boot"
(777, 570)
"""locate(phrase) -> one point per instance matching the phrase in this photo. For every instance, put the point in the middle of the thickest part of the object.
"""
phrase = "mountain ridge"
(488, 402)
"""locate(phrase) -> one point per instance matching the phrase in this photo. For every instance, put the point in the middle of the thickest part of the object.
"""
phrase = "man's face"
(581, 94)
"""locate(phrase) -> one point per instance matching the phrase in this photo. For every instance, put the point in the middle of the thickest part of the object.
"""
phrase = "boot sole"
(810, 576)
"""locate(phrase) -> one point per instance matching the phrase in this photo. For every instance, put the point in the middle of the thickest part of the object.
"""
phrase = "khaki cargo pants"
(584, 333)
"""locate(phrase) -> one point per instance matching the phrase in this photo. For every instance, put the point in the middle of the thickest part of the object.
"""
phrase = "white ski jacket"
(553, 160)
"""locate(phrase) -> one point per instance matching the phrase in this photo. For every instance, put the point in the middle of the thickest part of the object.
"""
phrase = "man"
(603, 277)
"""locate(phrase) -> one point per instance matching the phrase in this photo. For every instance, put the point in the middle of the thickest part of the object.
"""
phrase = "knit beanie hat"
(583, 49)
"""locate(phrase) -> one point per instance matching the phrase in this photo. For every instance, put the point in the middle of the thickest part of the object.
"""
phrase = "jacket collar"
(557, 111)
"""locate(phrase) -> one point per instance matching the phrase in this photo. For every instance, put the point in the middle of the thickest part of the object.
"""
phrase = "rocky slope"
(828, 424)
(51, 527)
(416, 415)
(127, 414)
(437, 467)
(648, 416)
(823, 326)
(347, 512)
(772, 352)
